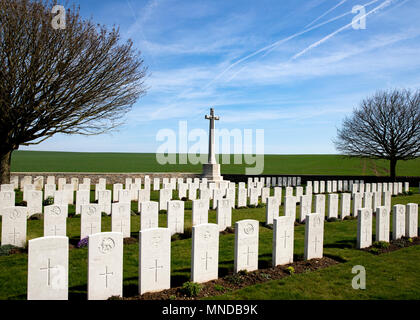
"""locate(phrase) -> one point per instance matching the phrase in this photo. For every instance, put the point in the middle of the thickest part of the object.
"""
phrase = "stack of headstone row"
(48, 256)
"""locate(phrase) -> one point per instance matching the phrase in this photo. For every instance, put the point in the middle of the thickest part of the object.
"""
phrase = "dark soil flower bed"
(240, 280)
(384, 247)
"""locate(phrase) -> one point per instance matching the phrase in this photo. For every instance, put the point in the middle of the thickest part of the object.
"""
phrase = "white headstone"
(364, 228)
(345, 205)
(90, 220)
(332, 205)
(305, 207)
(165, 195)
(50, 180)
(320, 204)
(224, 214)
(115, 191)
(357, 203)
(49, 190)
(34, 201)
(121, 218)
(290, 207)
(13, 226)
(382, 224)
(82, 198)
(271, 210)
(149, 215)
(200, 212)
(104, 201)
(7, 199)
(205, 252)
(55, 220)
(246, 245)
(242, 197)
(155, 260)
(253, 197)
(411, 222)
(175, 216)
(48, 261)
(283, 240)
(105, 265)
(314, 236)
(398, 221)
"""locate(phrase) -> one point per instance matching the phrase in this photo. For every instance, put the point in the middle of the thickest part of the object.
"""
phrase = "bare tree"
(76, 80)
(386, 126)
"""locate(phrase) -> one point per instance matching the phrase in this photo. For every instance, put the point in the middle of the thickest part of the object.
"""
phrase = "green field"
(35, 161)
(389, 276)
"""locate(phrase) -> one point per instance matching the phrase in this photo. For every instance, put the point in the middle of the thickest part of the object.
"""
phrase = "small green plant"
(191, 289)
(162, 211)
(6, 249)
(381, 244)
(410, 240)
(219, 288)
(265, 276)
(235, 279)
(104, 214)
(172, 297)
(49, 201)
(374, 250)
(290, 270)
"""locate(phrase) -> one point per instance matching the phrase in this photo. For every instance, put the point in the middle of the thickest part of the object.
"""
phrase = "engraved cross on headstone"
(206, 258)
(48, 269)
(156, 267)
(316, 240)
(55, 229)
(14, 234)
(106, 275)
(248, 253)
(285, 238)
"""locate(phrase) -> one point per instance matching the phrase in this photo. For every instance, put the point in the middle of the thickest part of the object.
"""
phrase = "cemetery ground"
(37, 161)
(390, 275)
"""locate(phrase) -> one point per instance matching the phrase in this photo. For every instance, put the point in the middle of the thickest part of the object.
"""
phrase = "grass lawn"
(389, 276)
(34, 161)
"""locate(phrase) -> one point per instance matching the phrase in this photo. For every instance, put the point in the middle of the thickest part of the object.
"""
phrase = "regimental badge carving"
(207, 235)
(91, 211)
(107, 245)
(366, 215)
(249, 229)
(317, 221)
(176, 205)
(401, 211)
(56, 210)
(15, 214)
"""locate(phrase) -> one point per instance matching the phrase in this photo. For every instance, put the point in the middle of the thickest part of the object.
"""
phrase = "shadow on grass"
(342, 244)
(78, 293)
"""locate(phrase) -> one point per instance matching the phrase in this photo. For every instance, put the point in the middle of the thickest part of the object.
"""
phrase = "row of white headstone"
(55, 215)
(276, 181)
(48, 257)
(317, 203)
(332, 186)
(404, 224)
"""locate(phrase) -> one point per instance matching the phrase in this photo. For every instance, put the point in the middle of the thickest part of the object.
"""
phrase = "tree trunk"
(5, 159)
(392, 168)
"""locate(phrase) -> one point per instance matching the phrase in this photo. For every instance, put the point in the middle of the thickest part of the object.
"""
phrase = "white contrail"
(270, 47)
(323, 15)
(316, 44)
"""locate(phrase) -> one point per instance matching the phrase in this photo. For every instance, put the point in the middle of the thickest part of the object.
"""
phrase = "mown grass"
(35, 161)
(331, 283)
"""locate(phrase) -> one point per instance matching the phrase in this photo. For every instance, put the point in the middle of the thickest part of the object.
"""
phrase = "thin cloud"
(327, 12)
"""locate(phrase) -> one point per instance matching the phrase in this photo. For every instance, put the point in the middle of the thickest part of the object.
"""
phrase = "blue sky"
(293, 68)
